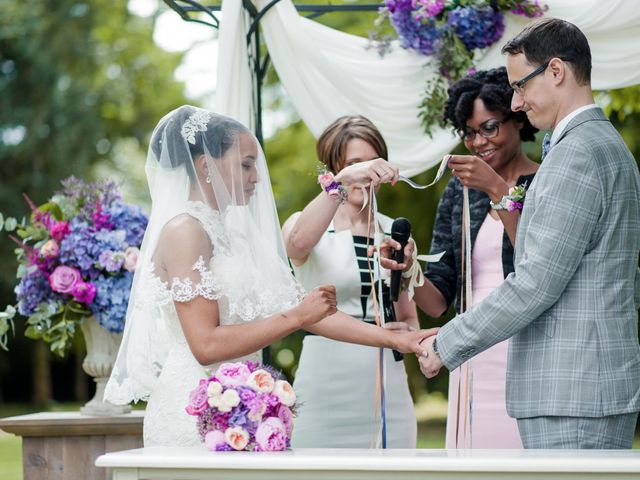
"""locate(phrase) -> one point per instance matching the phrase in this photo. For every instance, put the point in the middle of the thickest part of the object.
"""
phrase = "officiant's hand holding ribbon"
(474, 172)
(371, 172)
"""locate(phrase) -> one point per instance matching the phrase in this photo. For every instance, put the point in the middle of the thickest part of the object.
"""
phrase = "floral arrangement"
(333, 188)
(514, 200)
(243, 406)
(449, 31)
(77, 254)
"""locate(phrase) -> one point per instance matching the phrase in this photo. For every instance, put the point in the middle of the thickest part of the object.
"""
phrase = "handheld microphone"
(400, 232)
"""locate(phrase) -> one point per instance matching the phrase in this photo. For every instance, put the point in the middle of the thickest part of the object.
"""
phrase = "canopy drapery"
(328, 73)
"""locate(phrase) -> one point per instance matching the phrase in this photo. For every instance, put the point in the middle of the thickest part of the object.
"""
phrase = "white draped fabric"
(328, 73)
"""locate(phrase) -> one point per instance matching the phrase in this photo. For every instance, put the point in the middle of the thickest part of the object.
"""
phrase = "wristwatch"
(501, 205)
(434, 346)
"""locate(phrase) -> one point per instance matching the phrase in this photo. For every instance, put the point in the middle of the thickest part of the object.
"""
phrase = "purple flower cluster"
(415, 31)
(32, 290)
(477, 27)
(423, 25)
(86, 252)
(129, 218)
(243, 406)
(112, 299)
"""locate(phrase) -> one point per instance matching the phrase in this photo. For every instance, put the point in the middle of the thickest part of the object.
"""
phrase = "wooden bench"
(65, 445)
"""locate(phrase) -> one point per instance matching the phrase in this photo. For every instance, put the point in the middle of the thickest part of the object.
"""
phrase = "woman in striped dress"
(327, 243)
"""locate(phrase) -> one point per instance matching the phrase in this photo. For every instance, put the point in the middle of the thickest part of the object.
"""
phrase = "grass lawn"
(10, 457)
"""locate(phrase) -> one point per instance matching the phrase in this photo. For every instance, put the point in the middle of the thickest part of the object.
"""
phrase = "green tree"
(80, 83)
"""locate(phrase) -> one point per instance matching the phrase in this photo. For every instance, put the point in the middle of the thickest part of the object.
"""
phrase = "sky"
(198, 69)
(199, 42)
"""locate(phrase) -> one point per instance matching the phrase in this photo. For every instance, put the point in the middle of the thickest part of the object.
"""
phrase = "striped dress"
(336, 381)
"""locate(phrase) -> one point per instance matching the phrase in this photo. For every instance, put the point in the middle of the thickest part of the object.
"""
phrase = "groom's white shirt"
(562, 124)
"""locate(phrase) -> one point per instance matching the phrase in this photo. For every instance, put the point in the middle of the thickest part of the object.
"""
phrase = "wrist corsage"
(513, 201)
(332, 187)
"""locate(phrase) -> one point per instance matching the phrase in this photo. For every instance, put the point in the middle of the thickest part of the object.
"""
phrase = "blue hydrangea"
(477, 27)
(129, 218)
(31, 291)
(83, 246)
(421, 35)
(112, 299)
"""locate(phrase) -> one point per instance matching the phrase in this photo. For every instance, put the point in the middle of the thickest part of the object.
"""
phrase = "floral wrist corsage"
(513, 201)
(333, 188)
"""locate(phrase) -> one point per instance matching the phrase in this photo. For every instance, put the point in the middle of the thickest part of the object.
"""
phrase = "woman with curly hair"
(479, 109)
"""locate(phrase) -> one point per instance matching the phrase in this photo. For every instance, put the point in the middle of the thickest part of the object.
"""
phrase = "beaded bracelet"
(333, 188)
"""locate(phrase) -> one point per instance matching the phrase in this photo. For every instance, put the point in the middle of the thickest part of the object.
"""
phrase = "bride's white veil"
(211, 168)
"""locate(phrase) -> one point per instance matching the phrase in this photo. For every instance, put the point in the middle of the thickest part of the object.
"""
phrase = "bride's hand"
(370, 172)
(399, 327)
(316, 305)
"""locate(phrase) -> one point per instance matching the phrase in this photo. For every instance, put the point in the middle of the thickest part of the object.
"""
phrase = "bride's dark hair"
(220, 135)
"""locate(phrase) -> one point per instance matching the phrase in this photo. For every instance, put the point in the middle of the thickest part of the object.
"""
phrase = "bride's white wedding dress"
(229, 278)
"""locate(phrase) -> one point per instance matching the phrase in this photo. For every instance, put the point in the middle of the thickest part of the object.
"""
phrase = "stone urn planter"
(102, 348)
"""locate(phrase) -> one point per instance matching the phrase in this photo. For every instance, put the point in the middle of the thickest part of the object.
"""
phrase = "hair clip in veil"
(197, 122)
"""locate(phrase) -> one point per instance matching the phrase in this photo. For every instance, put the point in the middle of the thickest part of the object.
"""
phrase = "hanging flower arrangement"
(449, 31)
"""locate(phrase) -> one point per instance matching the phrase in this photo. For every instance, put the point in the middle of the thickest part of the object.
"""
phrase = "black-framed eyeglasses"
(518, 87)
(489, 129)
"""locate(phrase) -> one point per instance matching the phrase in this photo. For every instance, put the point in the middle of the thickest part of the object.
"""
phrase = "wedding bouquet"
(244, 406)
(77, 254)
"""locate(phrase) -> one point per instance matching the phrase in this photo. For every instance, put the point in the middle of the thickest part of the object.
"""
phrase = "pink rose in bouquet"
(84, 292)
(271, 436)
(50, 249)
(131, 258)
(64, 279)
(243, 406)
(198, 399)
(232, 374)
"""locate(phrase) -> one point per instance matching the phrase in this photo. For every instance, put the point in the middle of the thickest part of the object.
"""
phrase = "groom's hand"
(412, 342)
(429, 361)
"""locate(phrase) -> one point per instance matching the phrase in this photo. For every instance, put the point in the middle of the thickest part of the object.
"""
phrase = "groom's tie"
(546, 145)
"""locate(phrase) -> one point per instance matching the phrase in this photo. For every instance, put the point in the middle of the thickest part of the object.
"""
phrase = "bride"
(212, 282)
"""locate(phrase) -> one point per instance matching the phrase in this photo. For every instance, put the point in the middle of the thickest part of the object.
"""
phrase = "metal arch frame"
(186, 9)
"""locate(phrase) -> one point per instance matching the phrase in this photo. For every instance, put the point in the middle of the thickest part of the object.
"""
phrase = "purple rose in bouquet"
(243, 406)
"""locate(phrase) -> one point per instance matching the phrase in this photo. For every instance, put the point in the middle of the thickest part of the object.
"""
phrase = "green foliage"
(77, 79)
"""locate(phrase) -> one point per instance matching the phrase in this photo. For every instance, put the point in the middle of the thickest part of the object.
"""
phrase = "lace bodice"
(164, 370)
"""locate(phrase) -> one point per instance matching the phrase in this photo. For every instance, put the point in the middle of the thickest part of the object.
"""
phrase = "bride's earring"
(208, 179)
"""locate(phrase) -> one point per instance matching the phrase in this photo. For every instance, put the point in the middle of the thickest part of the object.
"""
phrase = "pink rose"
(284, 391)
(271, 436)
(198, 399)
(232, 374)
(131, 258)
(59, 230)
(63, 279)
(214, 439)
(236, 437)
(50, 249)
(326, 179)
(286, 417)
(84, 292)
(261, 381)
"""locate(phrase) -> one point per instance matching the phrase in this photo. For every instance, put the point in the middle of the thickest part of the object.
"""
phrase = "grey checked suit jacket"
(572, 303)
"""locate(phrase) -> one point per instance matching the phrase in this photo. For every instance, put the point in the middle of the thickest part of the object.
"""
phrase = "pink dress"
(486, 423)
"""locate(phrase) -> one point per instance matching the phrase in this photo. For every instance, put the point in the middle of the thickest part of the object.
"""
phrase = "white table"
(337, 464)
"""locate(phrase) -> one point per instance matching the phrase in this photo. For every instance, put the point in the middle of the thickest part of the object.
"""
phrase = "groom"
(573, 378)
